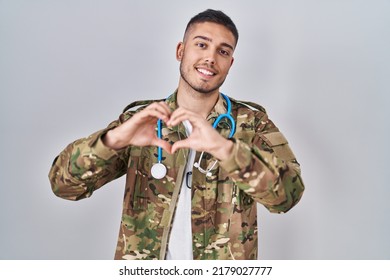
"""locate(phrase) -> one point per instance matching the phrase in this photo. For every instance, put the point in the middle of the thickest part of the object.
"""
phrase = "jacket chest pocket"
(142, 190)
(245, 135)
(137, 193)
(225, 192)
(230, 194)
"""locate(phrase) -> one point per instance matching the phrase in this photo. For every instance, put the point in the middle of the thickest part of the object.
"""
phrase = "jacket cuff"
(103, 151)
(99, 149)
(239, 158)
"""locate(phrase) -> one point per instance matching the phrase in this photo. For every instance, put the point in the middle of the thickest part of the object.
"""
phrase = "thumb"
(163, 144)
(181, 144)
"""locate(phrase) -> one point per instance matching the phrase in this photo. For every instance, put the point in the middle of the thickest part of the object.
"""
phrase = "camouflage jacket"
(262, 169)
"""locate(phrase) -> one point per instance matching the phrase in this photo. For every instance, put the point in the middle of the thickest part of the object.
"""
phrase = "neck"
(194, 101)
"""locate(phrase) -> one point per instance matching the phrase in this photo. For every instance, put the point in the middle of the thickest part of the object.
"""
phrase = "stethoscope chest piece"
(158, 170)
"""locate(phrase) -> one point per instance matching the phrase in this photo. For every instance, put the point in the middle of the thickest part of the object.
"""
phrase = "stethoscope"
(159, 170)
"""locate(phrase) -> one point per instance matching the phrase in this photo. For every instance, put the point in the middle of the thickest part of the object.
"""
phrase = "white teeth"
(205, 72)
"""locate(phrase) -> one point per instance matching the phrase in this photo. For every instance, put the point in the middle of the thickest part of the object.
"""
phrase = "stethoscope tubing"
(159, 135)
(228, 116)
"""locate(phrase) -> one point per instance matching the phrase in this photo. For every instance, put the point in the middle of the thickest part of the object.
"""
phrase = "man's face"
(205, 56)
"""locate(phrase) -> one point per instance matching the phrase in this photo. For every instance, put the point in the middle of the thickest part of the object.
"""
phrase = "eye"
(224, 53)
(201, 45)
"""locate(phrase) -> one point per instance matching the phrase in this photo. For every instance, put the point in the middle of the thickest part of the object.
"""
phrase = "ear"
(179, 51)
(231, 63)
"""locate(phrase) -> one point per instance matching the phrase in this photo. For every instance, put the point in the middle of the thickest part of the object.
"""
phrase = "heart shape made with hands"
(202, 136)
(140, 130)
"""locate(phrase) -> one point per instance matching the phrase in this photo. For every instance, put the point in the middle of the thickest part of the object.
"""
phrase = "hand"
(203, 136)
(140, 129)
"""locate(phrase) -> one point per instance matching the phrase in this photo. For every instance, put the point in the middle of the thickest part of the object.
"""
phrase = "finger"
(179, 116)
(162, 113)
(154, 113)
(186, 143)
(194, 121)
(161, 107)
(165, 105)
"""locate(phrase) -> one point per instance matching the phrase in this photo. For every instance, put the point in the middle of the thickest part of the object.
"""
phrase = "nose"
(210, 56)
(209, 61)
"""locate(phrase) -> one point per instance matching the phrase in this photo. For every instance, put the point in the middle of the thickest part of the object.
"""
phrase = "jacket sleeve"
(85, 165)
(266, 169)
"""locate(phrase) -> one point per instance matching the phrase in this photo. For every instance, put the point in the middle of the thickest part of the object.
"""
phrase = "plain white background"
(320, 68)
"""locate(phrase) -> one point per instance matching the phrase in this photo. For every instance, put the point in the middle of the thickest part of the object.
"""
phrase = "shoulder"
(247, 111)
(250, 117)
(240, 105)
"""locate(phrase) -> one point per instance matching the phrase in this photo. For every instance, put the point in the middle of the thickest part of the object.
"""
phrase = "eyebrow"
(210, 40)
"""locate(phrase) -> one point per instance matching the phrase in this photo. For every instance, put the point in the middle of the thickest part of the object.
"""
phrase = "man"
(197, 198)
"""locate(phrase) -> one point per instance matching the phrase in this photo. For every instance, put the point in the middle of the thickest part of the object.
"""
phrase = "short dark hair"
(216, 17)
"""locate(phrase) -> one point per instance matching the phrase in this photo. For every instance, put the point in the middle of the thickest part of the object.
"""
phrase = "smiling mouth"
(205, 72)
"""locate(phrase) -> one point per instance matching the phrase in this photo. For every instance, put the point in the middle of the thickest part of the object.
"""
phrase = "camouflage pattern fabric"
(262, 169)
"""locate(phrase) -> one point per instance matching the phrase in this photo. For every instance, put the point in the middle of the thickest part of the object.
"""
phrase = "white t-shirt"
(180, 241)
